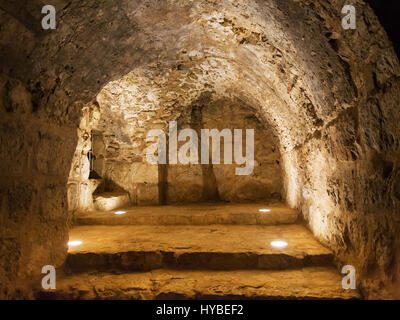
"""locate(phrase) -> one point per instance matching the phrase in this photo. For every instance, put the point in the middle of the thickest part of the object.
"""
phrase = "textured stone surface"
(330, 96)
(193, 183)
(111, 200)
(307, 283)
(224, 247)
(194, 214)
(124, 123)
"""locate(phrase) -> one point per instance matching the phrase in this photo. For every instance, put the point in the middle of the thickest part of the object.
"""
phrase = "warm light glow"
(279, 244)
(264, 210)
(120, 212)
(74, 243)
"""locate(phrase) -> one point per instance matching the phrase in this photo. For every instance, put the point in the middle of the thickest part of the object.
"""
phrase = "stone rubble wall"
(330, 96)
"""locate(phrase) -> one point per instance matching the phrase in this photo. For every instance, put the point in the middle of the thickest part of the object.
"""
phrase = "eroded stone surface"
(193, 247)
(194, 214)
(330, 96)
(111, 200)
(307, 283)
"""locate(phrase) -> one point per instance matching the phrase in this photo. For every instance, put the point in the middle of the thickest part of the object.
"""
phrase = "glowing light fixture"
(279, 244)
(74, 243)
(120, 212)
(264, 210)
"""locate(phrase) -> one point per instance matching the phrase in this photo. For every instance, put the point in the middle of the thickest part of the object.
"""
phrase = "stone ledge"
(307, 283)
(195, 214)
(217, 247)
(111, 200)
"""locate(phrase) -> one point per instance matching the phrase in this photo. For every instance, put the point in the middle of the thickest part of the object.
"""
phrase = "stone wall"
(35, 158)
(330, 96)
(219, 182)
(80, 186)
(124, 166)
(38, 137)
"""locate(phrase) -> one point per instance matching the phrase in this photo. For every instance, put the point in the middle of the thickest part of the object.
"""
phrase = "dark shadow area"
(388, 13)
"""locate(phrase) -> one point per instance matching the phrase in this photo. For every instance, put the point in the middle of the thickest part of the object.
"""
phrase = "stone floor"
(193, 214)
(196, 252)
(306, 283)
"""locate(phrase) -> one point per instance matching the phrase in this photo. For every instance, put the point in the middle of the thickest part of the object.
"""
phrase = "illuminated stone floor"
(212, 247)
(197, 251)
(306, 283)
(194, 214)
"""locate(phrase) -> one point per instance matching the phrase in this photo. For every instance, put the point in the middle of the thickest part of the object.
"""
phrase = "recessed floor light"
(279, 244)
(120, 212)
(264, 210)
(74, 243)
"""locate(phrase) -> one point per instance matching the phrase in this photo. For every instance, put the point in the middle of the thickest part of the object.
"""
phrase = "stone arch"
(329, 95)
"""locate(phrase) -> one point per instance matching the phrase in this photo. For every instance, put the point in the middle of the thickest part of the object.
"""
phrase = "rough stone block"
(111, 200)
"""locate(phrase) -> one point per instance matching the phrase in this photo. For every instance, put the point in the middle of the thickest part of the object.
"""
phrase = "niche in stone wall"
(110, 169)
(219, 182)
(89, 187)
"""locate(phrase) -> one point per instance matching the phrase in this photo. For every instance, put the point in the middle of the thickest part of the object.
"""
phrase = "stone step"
(216, 247)
(109, 201)
(307, 283)
(195, 214)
